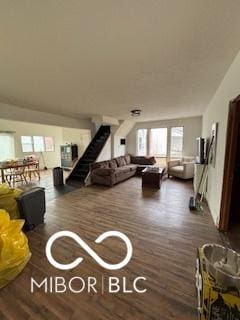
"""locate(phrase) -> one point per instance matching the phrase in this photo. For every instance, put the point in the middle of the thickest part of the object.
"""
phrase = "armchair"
(183, 169)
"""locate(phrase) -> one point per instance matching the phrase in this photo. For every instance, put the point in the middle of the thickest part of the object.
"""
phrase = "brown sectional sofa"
(118, 169)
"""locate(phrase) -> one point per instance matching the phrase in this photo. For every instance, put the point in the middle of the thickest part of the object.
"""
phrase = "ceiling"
(82, 58)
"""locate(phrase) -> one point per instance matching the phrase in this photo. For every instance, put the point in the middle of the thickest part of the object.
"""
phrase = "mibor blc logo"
(58, 284)
(86, 247)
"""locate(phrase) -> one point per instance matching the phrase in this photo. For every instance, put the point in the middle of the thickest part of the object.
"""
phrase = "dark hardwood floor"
(46, 182)
(164, 235)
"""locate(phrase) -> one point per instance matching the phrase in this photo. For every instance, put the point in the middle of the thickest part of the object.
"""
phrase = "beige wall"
(11, 112)
(192, 130)
(217, 111)
(60, 135)
(76, 136)
(106, 153)
(121, 132)
(119, 149)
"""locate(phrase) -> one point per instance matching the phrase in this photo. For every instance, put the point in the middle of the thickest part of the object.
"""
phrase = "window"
(142, 142)
(49, 144)
(27, 144)
(6, 146)
(38, 143)
(176, 142)
(158, 142)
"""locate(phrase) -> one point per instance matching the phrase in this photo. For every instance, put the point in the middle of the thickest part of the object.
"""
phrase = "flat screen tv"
(200, 150)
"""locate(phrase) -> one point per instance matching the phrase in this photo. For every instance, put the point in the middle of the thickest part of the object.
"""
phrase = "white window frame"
(53, 144)
(149, 141)
(35, 146)
(170, 150)
(30, 144)
(7, 150)
(137, 146)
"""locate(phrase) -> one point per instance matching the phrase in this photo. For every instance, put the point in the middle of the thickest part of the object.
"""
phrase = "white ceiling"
(81, 58)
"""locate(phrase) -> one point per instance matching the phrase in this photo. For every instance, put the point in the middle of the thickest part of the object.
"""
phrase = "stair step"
(81, 171)
(78, 176)
(92, 152)
(86, 162)
(91, 158)
(102, 139)
(84, 166)
(94, 148)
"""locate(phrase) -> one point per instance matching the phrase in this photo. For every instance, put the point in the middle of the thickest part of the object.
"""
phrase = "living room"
(143, 222)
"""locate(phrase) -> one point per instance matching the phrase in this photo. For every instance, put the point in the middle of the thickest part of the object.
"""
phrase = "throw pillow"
(127, 159)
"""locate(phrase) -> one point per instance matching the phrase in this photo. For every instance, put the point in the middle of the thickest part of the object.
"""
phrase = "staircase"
(82, 167)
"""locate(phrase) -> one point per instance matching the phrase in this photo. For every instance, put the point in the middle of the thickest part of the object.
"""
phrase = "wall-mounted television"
(123, 141)
(200, 158)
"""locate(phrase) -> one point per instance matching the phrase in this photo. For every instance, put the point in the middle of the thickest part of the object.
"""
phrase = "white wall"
(217, 111)
(192, 130)
(59, 134)
(119, 149)
(119, 133)
(105, 154)
(80, 137)
(11, 112)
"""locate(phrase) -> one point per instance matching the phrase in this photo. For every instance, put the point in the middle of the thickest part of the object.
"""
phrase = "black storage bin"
(32, 207)
(57, 176)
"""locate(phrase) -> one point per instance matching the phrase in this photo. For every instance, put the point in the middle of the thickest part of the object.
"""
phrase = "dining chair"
(15, 175)
(33, 170)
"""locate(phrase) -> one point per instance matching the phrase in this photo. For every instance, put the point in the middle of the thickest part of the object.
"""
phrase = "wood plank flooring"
(46, 182)
(164, 235)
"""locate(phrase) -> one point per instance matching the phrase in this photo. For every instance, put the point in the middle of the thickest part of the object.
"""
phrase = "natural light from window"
(142, 142)
(158, 142)
(176, 142)
(27, 144)
(38, 144)
(6, 146)
(49, 144)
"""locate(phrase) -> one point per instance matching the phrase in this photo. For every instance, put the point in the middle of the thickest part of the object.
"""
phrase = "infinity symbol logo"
(91, 252)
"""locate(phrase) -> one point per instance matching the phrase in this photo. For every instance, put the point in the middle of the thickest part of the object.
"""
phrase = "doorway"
(230, 208)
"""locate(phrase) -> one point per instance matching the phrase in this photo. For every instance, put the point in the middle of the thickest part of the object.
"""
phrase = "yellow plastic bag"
(8, 200)
(4, 189)
(14, 250)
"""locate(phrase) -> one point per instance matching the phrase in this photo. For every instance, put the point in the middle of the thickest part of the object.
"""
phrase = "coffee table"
(152, 177)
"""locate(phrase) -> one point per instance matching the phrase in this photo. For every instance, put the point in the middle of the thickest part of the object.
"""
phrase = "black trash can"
(58, 176)
(32, 207)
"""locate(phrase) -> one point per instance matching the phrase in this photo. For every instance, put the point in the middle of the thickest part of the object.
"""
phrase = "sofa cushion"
(132, 167)
(103, 171)
(95, 165)
(143, 160)
(118, 161)
(122, 170)
(113, 164)
(127, 158)
(177, 169)
(106, 164)
(102, 164)
(121, 161)
(188, 159)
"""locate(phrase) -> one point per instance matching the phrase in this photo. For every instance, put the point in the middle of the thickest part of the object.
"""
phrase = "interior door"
(235, 197)
(230, 212)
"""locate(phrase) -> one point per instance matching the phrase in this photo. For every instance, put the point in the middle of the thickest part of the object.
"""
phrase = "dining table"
(15, 165)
